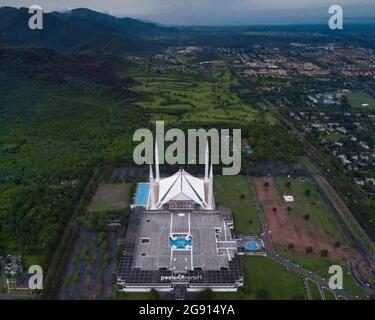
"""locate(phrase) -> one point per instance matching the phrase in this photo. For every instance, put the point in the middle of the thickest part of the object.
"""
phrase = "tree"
(266, 185)
(289, 209)
(324, 253)
(309, 250)
(288, 184)
(274, 210)
(308, 193)
(291, 246)
(242, 196)
(250, 221)
(307, 217)
(337, 244)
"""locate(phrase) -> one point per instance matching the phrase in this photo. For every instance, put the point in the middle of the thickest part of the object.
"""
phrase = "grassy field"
(136, 296)
(298, 187)
(321, 266)
(267, 280)
(329, 294)
(314, 290)
(193, 98)
(228, 191)
(308, 202)
(360, 99)
(110, 196)
(318, 265)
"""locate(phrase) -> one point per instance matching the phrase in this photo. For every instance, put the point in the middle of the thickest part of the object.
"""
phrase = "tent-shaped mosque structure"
(181, 191)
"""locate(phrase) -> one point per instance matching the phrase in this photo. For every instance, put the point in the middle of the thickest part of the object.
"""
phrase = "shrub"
(309, 250)
(324, 253)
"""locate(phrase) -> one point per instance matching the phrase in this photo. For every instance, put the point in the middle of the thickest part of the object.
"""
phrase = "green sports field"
(361, 100)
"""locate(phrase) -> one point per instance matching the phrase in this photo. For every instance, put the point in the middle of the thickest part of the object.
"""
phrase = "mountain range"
(82, 30)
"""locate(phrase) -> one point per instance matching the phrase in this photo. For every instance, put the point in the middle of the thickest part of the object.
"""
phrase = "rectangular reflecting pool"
(141, 195)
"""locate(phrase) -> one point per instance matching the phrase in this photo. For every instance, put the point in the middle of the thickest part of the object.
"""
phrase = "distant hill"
(146, 29)
(81, 29)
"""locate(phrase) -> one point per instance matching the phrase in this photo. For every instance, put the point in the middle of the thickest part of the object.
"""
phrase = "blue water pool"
(252, 246)
(180, 242)
(141, 195)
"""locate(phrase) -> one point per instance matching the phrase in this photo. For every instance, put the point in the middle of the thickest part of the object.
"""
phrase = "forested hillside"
(82, 29)
(60, 116)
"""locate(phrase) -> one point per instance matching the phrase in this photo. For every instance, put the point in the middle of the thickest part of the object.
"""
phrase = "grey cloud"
(212, 11)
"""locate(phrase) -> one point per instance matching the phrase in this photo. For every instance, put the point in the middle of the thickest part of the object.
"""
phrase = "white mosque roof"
(182, 186)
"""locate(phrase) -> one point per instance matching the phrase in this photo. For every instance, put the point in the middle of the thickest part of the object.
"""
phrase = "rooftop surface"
(212, 242)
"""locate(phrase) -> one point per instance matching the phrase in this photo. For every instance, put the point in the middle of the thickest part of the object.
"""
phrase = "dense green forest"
(60, 116)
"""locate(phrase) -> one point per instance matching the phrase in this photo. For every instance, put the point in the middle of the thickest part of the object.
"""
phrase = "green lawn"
(358, 99)
(228, 190)
(267, 280)
(136, 296)
(321, 266)
(314, 290)
(298, 189)
(329, 294)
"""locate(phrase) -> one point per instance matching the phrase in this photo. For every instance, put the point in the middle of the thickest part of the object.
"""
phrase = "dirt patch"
(269, 193)
(110, 196)
(288, 228)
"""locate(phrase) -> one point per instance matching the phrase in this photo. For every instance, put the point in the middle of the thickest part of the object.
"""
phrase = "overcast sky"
(213, 12)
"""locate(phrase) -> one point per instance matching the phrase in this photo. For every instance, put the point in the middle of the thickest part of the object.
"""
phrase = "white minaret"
(157, 162)
(206, 163)
(152, 191)
(210, 190)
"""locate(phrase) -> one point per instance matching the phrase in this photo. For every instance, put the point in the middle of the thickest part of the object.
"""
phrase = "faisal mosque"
(177, 240)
